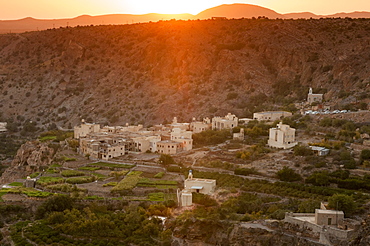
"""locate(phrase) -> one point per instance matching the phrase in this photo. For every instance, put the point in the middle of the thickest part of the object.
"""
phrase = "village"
(134, 163)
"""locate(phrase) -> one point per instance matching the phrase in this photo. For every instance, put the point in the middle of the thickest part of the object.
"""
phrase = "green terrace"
(111, 165)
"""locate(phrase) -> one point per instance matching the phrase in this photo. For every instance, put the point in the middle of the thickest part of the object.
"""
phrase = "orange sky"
(50, 9)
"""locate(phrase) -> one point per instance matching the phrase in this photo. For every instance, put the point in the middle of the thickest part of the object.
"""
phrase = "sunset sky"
(52, 9)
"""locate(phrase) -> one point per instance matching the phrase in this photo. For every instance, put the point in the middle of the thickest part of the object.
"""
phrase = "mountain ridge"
(226, 10)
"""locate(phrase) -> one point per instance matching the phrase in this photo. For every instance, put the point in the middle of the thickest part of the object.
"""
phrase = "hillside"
(149, 73)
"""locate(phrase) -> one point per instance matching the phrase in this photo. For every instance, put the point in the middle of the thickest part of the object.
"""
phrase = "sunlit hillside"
(149, 73)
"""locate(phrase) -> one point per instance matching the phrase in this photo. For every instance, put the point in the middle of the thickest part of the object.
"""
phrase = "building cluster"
(113, 141)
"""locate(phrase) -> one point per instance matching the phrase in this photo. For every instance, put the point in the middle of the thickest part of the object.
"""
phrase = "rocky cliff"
(149, 73)
(31, 157)
(206, 233)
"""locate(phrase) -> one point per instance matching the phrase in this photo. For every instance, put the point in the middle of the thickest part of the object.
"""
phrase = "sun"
(170, 6)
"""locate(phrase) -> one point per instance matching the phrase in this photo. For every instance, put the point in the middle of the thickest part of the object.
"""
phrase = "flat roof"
(196, 187)
(271, 112)
(324, 211)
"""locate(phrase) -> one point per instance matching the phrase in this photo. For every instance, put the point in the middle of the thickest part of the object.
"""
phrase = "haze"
(46, 9)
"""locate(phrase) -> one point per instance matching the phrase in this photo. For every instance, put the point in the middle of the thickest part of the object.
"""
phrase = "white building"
(228, 122)
(282, 137)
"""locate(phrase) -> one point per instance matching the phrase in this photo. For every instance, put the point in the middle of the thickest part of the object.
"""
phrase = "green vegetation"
(204, 200)
(89, 168)
(9, 145)
(99, 176)
(343, 203)
(166, 160)
(159, 197)
(55, 135)
(160, 184)
(30, 192)
(246, 171)
(211, 137)
(16, 184)
(67, 159)
(288, 174)
(72, 173)
(110, 184)
(159, 175)
(128, 183)
(80, 180)
(44, 180)
(64, 188)
(301, 150)
(111, 165)
(254, 152)
(94, 197)
(174, 168)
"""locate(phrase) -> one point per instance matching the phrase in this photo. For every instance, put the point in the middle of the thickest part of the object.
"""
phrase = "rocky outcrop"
(207, 232)
(31, 157)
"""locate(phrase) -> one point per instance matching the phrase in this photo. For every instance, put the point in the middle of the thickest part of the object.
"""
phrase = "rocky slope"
(149, 73)
(31, 157)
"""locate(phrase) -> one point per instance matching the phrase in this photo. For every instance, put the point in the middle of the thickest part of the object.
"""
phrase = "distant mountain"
(31, 24)
(227, 10)
(238, 11)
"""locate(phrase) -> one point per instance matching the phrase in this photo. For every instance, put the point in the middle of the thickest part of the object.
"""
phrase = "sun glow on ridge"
(170, 6)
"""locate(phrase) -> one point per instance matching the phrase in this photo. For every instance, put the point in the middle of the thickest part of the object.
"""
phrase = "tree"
(289, 175)
(301, 150)
(318, 179)
(166, 160)
(343, 203)
(308, 206)
(365, 154)
(56, 203)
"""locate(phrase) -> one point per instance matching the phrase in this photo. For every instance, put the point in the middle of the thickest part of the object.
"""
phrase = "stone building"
(184, 137)
(282, 137)
(271, 115)
(84, 129)
(199, 126)
(326, 225)
(228, 122)
(239, 135)
(311, 98)
(168, 147)
(204, 186)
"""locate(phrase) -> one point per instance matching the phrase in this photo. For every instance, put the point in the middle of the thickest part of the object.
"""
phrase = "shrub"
(301, 150)
(288, 174)
(246, 171)
(166, 160)
(80, 180)
(159, 175)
